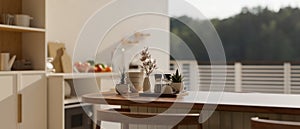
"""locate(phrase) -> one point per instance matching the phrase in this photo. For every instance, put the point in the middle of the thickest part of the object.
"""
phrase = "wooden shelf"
(20, 28)
(83, 75)
(22, 72)
(72, 100)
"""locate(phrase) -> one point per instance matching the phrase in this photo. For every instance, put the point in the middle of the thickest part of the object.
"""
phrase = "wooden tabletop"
(225, 101)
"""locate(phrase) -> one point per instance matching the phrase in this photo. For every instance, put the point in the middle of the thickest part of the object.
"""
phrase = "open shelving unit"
(25, 42)
(23, 93)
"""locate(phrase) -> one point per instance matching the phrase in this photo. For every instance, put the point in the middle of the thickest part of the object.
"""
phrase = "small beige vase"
(146, 85)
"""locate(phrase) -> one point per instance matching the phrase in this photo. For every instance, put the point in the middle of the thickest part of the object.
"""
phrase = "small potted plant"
(176, 84)
(122, 87)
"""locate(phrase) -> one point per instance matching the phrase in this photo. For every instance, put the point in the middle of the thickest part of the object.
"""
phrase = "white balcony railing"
(282, 79)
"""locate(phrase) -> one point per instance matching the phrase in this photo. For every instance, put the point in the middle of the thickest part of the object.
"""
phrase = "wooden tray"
(158, 95)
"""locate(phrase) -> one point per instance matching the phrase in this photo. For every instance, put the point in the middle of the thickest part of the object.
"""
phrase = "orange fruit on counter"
(108, 69)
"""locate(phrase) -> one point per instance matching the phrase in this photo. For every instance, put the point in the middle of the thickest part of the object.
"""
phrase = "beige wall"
(66, 19)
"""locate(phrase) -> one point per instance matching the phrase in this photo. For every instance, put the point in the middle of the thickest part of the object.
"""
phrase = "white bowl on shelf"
(22, 20)
(81, 67)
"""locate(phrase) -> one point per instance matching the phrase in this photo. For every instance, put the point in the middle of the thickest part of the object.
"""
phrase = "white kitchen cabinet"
(8, 101)
(23, 101)
(33, 89)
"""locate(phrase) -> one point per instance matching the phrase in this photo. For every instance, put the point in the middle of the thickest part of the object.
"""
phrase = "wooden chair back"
(257, 123)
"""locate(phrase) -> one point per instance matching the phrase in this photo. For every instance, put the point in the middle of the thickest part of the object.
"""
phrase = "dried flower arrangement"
(148, 64)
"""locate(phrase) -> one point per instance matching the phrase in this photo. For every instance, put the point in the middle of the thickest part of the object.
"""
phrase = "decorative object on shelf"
(62, 62)
(148, 66)
(53, 47)
(100, 67)
(23, 64)
(66, 62)
(55, 51)
(22, 20)
(6, 63)
(122, 87)
(49, 65)
(7, 19)
(91, 66)
(80, 67)
(57, 61)
(177, 82)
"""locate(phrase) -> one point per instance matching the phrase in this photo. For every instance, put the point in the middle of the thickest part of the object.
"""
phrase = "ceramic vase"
(146, 84)
(178, 86)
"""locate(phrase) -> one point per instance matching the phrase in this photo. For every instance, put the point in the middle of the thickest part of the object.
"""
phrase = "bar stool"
(113, 115)
(257, 123)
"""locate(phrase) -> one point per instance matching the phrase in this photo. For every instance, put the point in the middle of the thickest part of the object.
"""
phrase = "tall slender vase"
(146, 84)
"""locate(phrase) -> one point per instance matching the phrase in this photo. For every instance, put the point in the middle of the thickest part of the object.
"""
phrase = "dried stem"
(148, 64)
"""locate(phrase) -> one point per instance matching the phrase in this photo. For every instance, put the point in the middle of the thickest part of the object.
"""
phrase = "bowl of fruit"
(102, 68)
(90, 66)
(81, 67)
